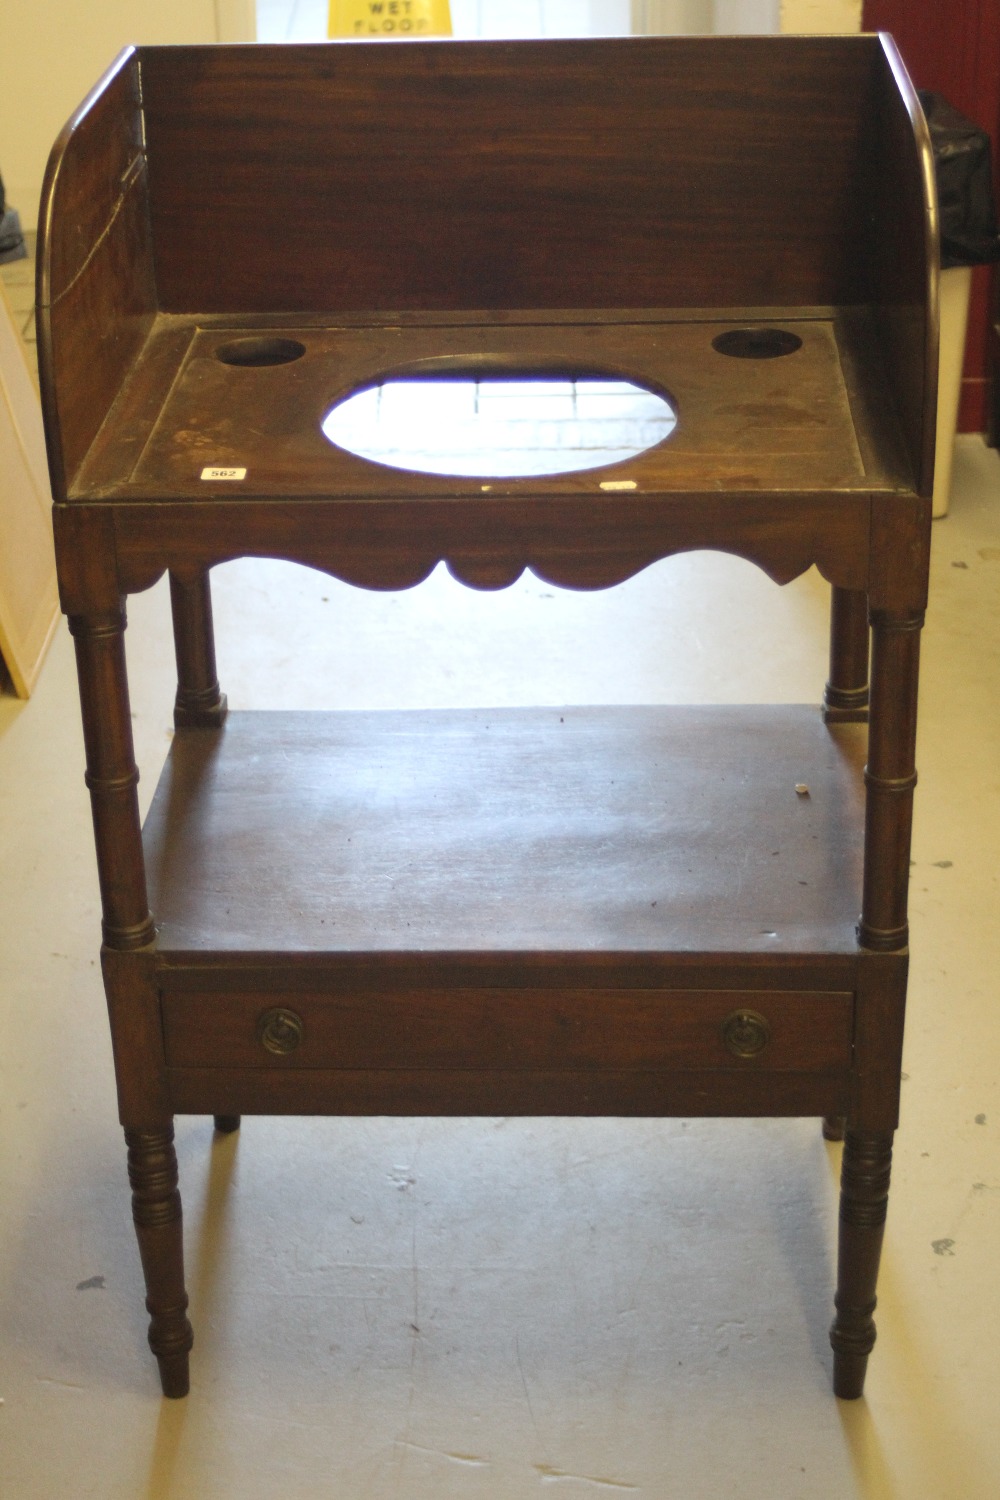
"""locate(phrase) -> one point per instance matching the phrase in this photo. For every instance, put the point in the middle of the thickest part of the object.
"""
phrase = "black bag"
(964, 172)
(12, 245)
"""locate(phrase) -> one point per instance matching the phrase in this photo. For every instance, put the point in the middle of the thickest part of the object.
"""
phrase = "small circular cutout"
(756, 343)
(256, 353)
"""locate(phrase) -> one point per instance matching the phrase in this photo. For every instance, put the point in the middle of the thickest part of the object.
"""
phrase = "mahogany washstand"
(575, 911)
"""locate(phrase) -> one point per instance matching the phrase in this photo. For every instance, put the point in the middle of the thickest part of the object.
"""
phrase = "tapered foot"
(156, 1212)
(226, 1124)
(175, 1379)
(864, 1200)
(833, 1127)
(849, 1372)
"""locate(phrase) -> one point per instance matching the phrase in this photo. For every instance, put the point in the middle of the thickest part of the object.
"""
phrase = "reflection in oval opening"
(499, 428)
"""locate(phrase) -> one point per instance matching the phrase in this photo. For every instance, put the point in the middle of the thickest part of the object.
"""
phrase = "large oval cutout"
(493, 427)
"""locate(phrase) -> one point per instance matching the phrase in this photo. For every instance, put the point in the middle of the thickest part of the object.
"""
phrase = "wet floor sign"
(389, 18)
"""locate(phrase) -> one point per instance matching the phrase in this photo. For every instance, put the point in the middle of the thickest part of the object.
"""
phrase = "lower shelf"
(577, 831)
(543, 911)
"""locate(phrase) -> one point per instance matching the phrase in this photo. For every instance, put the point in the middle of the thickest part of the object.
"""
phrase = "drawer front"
(511, 1029)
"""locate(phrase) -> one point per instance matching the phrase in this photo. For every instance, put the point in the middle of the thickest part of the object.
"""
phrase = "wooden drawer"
(511, 1029)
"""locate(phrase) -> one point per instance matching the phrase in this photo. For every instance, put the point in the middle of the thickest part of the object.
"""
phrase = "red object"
(955, 49)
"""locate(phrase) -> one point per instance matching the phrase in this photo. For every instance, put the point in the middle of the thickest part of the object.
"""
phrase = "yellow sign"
(389, 18)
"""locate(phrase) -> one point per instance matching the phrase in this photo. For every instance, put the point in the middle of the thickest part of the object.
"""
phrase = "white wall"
(672, 17)
(736, 17)
(488, 19)
(703, 17)
(53, 51)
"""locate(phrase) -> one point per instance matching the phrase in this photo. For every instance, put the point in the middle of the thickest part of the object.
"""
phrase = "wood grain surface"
(502, 1029)
(741, 424)
(574, 830)
(96, 297)
(468, 1091)
(610, 173)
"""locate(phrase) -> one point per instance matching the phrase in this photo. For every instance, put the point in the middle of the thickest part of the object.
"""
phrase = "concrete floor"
(494, 1308)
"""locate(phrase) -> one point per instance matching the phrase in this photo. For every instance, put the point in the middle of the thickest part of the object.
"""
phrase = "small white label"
(618, 484)
(221, 473)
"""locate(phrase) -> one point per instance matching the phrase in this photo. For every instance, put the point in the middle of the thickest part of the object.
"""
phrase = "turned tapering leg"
(846, 696)
(156, 1212)
(864, 1199)
(112, 778)
(199, 703)
(846, 700)
(133, 1005)
(890, 777)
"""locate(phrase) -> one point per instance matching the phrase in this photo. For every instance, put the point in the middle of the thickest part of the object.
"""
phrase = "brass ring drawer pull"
(746, 1033)
(280, 1031)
